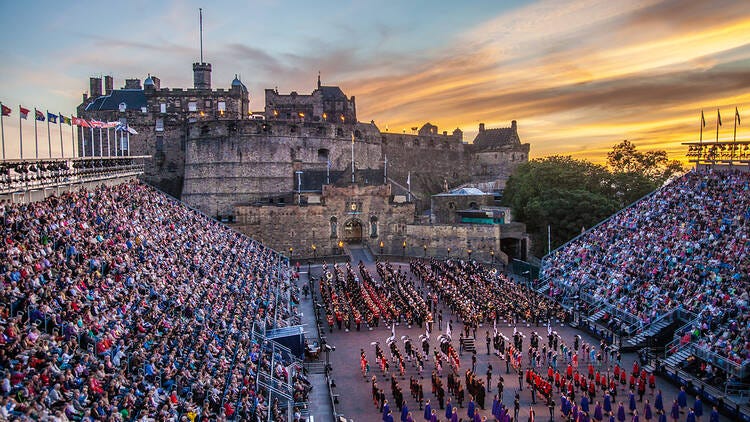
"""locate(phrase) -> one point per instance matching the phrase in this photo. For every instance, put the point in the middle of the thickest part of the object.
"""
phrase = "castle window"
(207, 104)
(339, 131)
(222, 107)
(357, 134)
(160, 125)
(323, 155)
(192, 106)
(177, 103)
(293, 129)
(159, 143)
(163, 108)
(373, 226)
(204, 130)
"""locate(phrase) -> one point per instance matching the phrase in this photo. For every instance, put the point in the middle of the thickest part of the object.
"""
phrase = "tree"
(569, 194)
(653, 165)
(561, 191)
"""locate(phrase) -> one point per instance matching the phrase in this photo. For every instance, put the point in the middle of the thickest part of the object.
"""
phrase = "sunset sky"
(579, 76)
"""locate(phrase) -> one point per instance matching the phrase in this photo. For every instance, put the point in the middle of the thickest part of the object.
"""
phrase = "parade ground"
(354, 390)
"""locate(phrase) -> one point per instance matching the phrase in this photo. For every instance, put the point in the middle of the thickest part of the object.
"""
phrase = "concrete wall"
(481, 240)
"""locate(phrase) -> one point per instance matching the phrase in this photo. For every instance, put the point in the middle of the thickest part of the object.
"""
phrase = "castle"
(304, 173)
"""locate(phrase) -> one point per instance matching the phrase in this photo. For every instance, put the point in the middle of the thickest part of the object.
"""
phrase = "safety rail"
(17, 176)
(738, 370)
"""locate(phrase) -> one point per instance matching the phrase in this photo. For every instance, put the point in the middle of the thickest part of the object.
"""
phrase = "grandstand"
(669, 275)
(121, 302)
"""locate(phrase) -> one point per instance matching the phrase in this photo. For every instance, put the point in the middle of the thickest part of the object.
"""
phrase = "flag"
(703, 119)
(352, 137)
(65, 119)
(328, 164)
(97, 124)
(6, 111)
(51, 117)
(408, 179)
(39, 115)
(719, 115)
(80, 122)
(24, 112)
(737, 114)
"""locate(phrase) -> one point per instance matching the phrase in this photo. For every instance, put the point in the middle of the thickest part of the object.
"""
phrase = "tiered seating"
(121, 302)
(686, 246)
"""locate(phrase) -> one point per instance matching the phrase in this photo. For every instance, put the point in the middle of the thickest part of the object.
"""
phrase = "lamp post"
(468, 252)
(381, 247)
(449, 251)
(315, 250)
(403, 246)
(425, 249)
(341, 246)
(492, 255)
(291, 250)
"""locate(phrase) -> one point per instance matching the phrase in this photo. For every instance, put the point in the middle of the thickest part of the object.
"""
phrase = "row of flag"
(72, 120)
(718, 117)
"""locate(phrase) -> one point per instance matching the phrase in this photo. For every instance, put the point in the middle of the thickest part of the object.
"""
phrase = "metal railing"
(26, 175)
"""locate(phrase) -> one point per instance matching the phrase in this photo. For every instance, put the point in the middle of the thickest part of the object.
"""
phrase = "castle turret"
(481, 127)
(202, 75)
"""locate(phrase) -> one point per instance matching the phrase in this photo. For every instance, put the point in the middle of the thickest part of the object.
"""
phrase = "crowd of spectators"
(685, 246)
(119, 303)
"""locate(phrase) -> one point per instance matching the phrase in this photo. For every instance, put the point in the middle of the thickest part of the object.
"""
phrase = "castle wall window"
(323, 155)
(177, 103)
(222, 107)
(159, 143)
(160, 125)
(207, 104)
(163, 108)
(192, 106)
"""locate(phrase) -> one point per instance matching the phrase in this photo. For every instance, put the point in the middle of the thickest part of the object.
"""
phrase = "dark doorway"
(353, 231)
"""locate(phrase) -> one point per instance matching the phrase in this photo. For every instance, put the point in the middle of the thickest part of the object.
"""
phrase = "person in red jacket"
(591, 371)
(617, 372)
(652, 382)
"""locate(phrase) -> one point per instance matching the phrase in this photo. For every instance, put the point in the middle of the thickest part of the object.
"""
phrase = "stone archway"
(353, 231)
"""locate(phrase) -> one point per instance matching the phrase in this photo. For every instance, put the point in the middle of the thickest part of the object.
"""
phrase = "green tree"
(560, 191)
(569, 194)
(653, 165)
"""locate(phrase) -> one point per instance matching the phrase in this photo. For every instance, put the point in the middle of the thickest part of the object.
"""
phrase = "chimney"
(157, 82)
(95, 87)
(108, 82)
(513, 125)
(202, 75)
(481, 127)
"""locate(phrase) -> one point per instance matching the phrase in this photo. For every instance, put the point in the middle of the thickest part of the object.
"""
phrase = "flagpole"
(36, 136)
(127, 139)
(718, 122)
(20, 131)
(49, 137)
(59, 126)
(92, 141)
(352, 157)
(385, 171)
(108, 151)
(101, 146)
(2, 129)
(72, 136)
(734, 138)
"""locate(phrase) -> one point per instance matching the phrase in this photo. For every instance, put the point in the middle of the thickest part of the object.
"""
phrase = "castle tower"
(202, 75)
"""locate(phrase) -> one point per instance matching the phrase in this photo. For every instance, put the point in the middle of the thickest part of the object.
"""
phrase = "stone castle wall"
(240, 162)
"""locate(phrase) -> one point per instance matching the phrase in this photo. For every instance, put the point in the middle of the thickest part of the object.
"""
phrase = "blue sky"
(578, 75)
